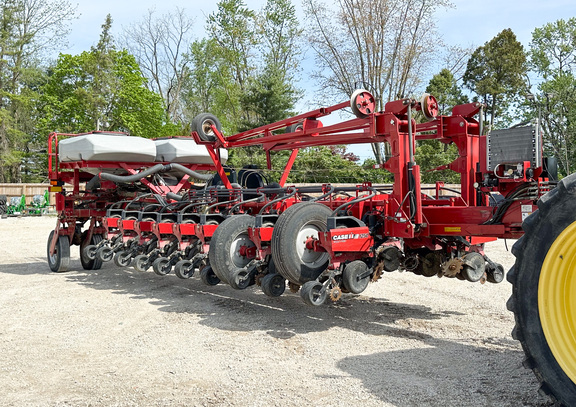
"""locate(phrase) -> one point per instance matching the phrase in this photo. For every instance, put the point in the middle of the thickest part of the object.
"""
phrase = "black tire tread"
(220, 243)
(555, 212)
(280, 251)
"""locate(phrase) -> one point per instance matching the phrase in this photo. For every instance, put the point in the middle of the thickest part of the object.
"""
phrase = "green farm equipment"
(16, 206)
(39, 204)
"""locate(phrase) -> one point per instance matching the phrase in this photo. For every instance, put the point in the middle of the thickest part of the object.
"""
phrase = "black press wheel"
(202, 124)
(60, 259)
(355, 277)
(162, 266)
(313, 293)
(229, 251)
(273, 285)
(295, 228)
(105, 254)
(184, 269)
(123, 259)
(89, 262)
(208, 277)
(141, 263)
(89, 252)
(544, 284)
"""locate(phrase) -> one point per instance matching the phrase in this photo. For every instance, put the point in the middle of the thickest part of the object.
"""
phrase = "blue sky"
(469, 23)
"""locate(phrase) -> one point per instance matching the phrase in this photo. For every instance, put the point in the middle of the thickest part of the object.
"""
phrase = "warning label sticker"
(453, 229)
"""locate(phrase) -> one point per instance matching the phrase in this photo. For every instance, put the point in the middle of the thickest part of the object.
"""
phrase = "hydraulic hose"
(192, 173)
(134, 177)
(175, 197)
(95, 182)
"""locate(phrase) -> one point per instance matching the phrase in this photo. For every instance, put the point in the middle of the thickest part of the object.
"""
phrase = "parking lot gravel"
(117, 337)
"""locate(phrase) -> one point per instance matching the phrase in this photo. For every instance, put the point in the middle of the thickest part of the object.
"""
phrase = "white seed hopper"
(185, 150)
(107, 147)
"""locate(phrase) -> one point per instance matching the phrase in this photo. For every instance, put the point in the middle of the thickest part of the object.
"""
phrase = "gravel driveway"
(116, 337)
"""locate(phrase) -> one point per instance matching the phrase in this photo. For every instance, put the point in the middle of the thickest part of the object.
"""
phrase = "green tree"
(496, 72)
(28, 29)
(553, 57)
(201, 90)
(378, 44)
(159, 44)
(271, 94)
(444, 87)
(101, 89)
(431, 154)
(233, 32)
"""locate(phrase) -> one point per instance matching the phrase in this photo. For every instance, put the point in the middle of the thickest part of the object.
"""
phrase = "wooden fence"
(29, 190)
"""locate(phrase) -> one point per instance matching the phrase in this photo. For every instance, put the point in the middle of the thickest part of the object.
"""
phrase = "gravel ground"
(116, 337)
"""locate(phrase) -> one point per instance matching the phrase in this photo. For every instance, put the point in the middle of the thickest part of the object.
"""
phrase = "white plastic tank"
(185, 150)
(107, 147)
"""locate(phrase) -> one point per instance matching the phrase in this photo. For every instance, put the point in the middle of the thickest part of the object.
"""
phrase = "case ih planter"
(324, 241)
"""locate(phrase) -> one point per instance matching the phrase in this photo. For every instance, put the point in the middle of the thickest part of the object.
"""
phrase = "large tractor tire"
(293, 260)
(544, 292)
(227, 250)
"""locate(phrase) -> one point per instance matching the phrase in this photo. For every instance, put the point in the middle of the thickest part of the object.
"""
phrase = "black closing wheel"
(292, 236)
(141, 262)
(89, 262)
(544, 283)
(473, 266)
(208, 277)
(184, 269)
(162, 266)
(60, 259)
(122, 259)
(356, 277)
(202, 124)
(231, 250)
(313, 293)
(273, 285)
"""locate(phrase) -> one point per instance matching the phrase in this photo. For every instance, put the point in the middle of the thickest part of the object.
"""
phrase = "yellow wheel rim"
(557, 300)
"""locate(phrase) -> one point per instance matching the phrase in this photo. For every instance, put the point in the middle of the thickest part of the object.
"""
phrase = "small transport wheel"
(293, 128)
(543, 300)
(60, 260)
(273, 285)
(162, 266)
(362, 103)
(123, 259)
(231, 250)
(141, 262)
(184, 269)
(295, 229)
(429, 106)
(208, 277)
(89, 262)
(202, 124)
(313, 293)
(105, 253)
(355, 276)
